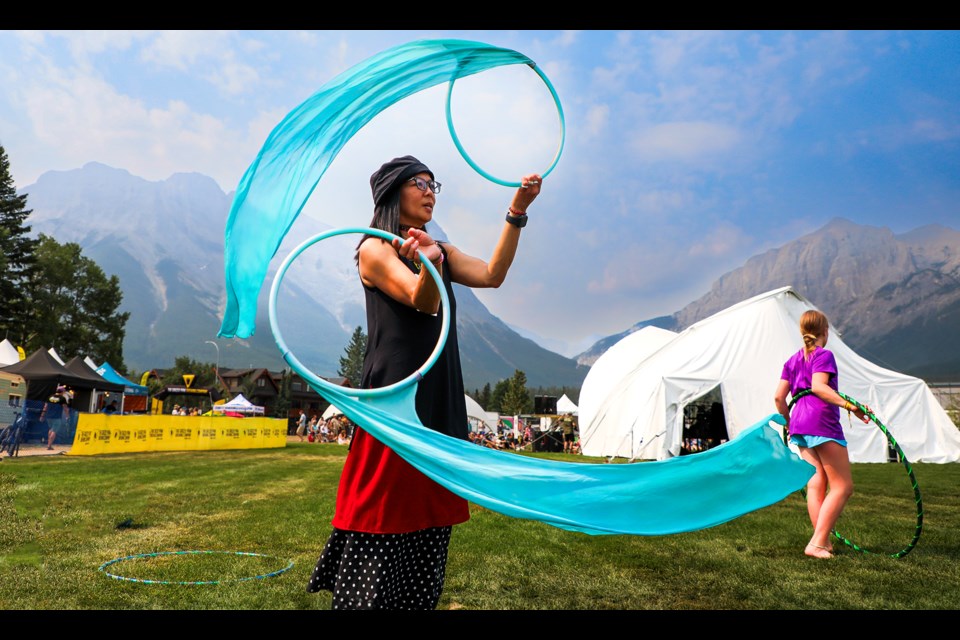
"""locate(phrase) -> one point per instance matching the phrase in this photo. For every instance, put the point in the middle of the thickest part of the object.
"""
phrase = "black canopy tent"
(84, 397)
(43, 374)
(201, 397)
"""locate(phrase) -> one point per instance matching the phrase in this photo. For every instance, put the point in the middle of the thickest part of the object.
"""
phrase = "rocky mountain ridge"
(894, 298)
(164, 240)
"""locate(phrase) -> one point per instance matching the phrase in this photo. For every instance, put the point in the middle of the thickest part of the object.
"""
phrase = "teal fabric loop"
(296, 154)
(312, 378)
(469, 160)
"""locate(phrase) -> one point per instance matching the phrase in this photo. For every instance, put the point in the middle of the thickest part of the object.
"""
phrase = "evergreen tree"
(517, 400)
(485, 397)
(282, 406)
(203, 372)
(17, 263)
(351, 362)
(74, 305)
(499, 393)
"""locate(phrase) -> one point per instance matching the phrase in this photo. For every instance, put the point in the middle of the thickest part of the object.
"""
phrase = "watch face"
(517, 221)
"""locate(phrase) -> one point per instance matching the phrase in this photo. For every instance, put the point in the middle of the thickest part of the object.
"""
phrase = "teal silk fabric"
(753, 471)
(299, 150)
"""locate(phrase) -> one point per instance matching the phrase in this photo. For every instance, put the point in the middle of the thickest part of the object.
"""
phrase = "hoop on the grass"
(315, 380)
(103, 567)
(469, 160)
(900, 456)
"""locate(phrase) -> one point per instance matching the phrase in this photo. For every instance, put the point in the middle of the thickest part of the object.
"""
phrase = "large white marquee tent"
(615, 364)
(741, 350)
(478, 416)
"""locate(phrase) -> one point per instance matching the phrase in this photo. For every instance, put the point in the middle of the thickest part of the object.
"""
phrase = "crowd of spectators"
(338, 429)
(179, 410)
(523, 438)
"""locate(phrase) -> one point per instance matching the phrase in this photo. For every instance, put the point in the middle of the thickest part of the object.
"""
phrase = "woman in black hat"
(392, 525)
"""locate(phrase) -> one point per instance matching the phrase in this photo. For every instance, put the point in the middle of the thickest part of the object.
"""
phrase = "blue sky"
(686, 152)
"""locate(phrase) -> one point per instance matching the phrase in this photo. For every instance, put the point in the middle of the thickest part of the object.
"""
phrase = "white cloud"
(83, 44)
(933, 130)
(181, 49)
(566, 38)
(235, 77)
(684, 141)
(215, 54)
(86, 119)
(724, 241)
(659, 202)
(598, 117)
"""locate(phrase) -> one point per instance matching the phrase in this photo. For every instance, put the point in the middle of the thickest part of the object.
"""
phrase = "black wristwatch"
(518, 221)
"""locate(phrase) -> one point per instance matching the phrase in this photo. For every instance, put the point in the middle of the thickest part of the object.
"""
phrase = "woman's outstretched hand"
(527, 192)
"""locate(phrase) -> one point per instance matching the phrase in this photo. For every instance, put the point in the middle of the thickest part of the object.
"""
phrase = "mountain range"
(164, 240)
(895, 299)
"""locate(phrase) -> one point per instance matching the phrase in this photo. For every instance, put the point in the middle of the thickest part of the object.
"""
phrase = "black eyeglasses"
(423, 184)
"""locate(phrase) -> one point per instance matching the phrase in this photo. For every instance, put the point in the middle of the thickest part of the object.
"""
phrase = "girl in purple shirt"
(816, 430)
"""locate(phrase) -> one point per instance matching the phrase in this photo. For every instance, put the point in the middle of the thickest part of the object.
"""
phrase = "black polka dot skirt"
(397, 571)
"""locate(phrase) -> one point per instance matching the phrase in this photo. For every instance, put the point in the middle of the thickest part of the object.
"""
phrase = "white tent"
(238, 405)
(741, 351)
(8, 353)
(475, 413)
(565, 405)
(615, 364)
(330, 412)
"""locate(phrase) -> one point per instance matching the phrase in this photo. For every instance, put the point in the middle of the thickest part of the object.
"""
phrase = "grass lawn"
(62, 517)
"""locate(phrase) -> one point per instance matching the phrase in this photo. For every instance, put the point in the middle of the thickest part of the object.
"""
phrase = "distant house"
(13, 392)
(302, 395)
(262, 387)
(257, 385)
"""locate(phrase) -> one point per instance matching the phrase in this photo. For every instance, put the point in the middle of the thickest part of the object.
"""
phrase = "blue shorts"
(814, 441)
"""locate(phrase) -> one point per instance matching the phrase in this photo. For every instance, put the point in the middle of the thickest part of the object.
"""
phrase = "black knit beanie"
(393, 174)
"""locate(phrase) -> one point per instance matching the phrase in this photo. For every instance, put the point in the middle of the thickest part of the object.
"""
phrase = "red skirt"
(380, 492)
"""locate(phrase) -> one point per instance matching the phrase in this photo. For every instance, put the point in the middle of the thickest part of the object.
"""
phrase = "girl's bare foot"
(817, 551)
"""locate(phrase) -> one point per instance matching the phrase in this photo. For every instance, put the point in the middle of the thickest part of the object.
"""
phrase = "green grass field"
(62, 517)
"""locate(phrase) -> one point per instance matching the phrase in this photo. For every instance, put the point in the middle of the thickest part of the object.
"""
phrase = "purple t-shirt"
(811, 416)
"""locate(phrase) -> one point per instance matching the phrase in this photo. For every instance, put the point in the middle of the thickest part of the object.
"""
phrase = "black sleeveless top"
(400, 339)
